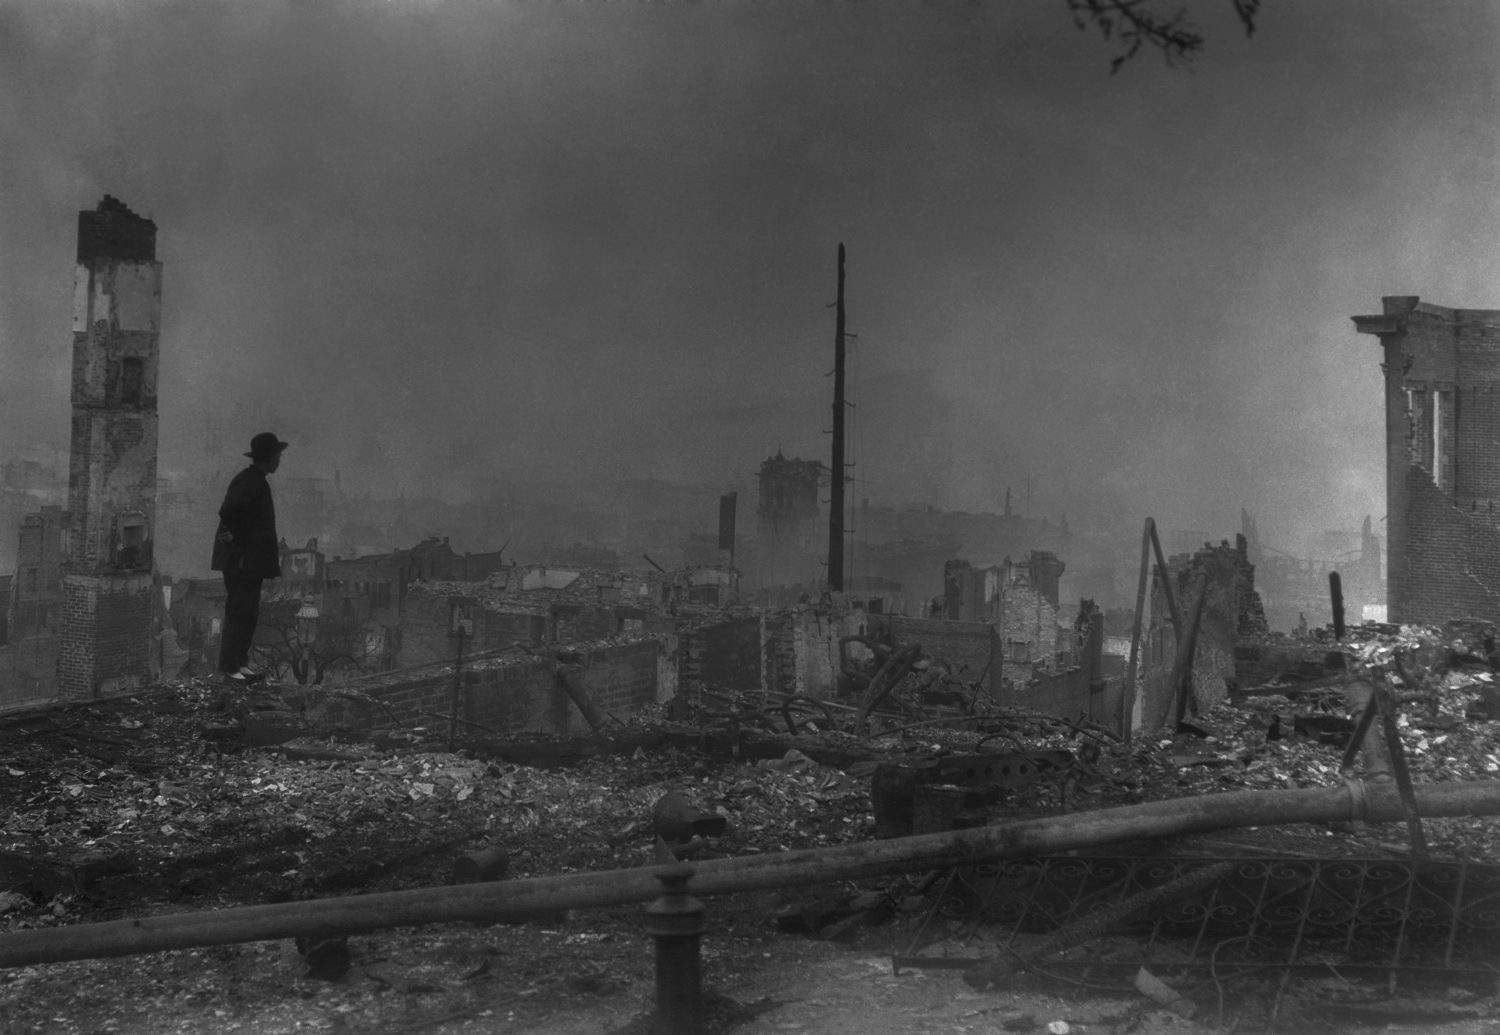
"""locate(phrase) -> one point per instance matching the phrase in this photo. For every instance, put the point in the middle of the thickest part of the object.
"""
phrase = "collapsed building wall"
(1231, 614)
(1442, 417)
(1028, 614)
(725, 652)
(801, 647)
(513, 694)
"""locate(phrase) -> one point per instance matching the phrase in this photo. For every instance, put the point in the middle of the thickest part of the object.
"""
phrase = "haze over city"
(436, 244)
(873, 497)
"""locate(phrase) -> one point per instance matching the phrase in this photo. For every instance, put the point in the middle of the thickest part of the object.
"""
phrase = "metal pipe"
(494, 901)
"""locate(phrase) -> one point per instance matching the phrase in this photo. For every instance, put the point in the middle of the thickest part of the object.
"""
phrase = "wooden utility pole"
(836, 499)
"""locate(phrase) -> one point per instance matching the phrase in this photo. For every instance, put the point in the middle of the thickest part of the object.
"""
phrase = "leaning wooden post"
(1166, 581)
(1182, 666)
(570, 675)
(1336, 598)
(1127, 722)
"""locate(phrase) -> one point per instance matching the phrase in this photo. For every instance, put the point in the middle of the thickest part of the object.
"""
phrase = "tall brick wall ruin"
(106, 641)
(107, 618)
(1442, 408)
(1029, 614)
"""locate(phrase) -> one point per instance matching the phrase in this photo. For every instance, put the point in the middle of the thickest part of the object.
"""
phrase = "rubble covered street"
(154, 804)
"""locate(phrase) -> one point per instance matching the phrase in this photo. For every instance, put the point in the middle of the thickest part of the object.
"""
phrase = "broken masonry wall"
(106, 641)
(1065, 694)
(621, 678)
(725, 653)
(1453, 565)
(1231, 610)
(970, 649)
(800, 647)
(28, 670)
(778, 660)
(111, 493)
(577, 623)
(425, 622)
(508, 695)
(37, 593)
(1028, 628)
(1442, 404)
(815, 636)
(667, 662)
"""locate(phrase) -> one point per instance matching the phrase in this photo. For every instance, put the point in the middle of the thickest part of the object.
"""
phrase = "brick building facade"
(107, 585)
(1442, 419)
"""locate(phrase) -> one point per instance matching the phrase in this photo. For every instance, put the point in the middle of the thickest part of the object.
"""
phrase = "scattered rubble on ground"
(156, 803)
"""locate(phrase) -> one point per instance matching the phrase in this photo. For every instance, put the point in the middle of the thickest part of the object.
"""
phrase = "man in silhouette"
(247, 550)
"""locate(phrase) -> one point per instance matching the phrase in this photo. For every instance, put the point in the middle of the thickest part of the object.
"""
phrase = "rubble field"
(150, 804)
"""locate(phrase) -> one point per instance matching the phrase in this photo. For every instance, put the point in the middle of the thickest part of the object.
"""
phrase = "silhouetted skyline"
(428, 241)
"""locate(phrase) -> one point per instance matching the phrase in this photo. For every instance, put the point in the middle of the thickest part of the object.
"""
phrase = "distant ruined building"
(1442, 421)
(1295, 590)
(788, 532)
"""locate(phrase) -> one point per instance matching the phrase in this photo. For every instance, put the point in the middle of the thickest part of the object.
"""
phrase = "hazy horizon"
(433, 243)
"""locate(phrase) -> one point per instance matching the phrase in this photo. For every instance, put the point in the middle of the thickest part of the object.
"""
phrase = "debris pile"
(120, 807)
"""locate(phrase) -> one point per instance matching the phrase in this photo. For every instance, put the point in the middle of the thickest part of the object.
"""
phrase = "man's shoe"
(249, 675)
(234, 678)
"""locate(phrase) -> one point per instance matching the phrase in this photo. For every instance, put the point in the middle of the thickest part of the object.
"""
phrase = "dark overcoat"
(251, 546)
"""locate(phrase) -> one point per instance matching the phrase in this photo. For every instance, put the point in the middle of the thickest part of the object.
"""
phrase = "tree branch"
(1134, 24)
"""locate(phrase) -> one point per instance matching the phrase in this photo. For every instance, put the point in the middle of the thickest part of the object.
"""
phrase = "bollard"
(675, 920)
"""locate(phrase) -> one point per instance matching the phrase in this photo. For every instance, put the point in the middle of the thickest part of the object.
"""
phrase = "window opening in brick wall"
(131, 541)
(131, 371)
(1411, 423)
(1437, 438)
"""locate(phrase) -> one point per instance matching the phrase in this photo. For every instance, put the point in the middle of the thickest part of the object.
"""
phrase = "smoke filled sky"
(430, 242)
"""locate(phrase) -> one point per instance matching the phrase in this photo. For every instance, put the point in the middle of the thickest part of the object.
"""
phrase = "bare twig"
(1136, 24)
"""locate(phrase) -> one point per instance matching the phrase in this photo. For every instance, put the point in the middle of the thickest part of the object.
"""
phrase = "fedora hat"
(265, 445)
